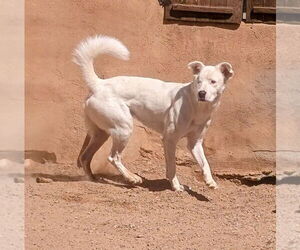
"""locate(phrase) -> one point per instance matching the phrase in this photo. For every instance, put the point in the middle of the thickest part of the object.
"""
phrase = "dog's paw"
(178, 188)
(212, 184)
(91, 177)
(135, 179)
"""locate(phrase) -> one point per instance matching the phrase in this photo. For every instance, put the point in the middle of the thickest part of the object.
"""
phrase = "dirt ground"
(73, 213)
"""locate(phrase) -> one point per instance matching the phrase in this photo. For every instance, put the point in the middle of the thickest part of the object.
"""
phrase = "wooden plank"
(249, 6)
(270, 3)
(264, 10)
(203, 2)
(292, 3)
(203, 9)
(207, 11)
(258, 2)
(218, 3)
(261, 11)
(288, 10)
(270, 17)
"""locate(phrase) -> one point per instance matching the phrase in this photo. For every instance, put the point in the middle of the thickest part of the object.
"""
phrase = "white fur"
(173, 109)
(88, 49)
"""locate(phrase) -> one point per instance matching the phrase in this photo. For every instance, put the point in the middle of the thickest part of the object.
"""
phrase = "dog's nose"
(202, 94)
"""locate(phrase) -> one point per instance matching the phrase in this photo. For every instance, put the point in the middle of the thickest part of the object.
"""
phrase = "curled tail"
(88, 49)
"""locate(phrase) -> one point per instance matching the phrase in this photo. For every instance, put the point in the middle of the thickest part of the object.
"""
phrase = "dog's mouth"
(201, 100)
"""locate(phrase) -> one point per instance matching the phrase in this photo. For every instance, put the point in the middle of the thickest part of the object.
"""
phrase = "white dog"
(173, 109)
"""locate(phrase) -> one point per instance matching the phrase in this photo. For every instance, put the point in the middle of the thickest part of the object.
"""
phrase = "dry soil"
(73, 213)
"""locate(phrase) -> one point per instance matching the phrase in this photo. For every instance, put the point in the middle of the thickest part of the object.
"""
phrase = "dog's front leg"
(196, 149)
(170, 149)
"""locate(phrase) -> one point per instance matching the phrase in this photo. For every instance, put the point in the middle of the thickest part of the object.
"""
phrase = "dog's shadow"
(157, 185)
(163, 184)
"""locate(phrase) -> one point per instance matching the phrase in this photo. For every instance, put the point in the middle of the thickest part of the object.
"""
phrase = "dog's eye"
(213, 81)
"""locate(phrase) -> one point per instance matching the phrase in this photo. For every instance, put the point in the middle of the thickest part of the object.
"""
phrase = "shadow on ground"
(157, 185)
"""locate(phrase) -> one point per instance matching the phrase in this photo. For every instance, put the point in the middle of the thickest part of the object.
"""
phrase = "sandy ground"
(288, 213)
(11, 205)
(73, 213)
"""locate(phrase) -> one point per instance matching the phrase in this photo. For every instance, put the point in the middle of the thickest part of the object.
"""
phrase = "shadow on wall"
(12, 155)
(40, 156)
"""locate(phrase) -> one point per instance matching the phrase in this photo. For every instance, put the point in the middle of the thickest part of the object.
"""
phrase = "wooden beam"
(264, 10)
(202, 9)
(288, 10)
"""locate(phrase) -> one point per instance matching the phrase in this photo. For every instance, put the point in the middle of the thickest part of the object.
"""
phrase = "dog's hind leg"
(120, 137)
(85, 144)
(91, 145)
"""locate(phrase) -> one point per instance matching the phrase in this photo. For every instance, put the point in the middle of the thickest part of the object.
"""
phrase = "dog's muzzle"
(201, 95)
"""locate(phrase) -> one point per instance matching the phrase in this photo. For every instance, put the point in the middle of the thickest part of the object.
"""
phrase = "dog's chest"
(202, 115)
(200, 125)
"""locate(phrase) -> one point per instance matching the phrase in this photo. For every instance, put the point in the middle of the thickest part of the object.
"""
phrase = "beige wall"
(12, 78)
(243, 130)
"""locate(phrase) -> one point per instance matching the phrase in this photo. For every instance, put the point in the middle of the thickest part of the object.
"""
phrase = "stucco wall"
(242, 134)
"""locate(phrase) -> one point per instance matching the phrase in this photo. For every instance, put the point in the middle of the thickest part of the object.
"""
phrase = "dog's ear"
(196, 67)
(226, 70)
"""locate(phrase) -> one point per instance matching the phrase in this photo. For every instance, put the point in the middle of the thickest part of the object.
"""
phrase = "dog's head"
(209, 81)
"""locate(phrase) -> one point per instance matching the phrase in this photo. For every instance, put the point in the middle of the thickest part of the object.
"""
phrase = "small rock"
(19, 179)
(43, 180)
